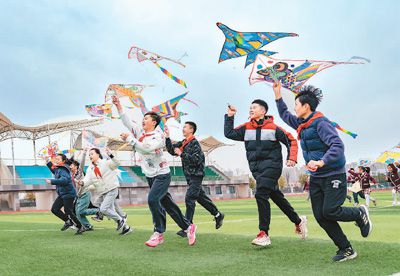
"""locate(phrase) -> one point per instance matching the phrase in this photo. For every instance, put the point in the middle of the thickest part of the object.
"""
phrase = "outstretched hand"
(277, 89)
(116, 102)
(166, 131)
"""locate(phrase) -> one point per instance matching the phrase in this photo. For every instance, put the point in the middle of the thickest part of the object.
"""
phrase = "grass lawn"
(31, 243)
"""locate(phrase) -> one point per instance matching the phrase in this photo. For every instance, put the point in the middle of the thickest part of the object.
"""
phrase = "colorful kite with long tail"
(143, 55)
(238, 44)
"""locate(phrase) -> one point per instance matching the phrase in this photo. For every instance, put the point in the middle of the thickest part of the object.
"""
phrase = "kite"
(143, 55)
(167, 109)
(100, 110)
(132, 91)
(291, 73)
(68, 151)
(50, 151)
(390, 156)
(90, 141)
(238, 44)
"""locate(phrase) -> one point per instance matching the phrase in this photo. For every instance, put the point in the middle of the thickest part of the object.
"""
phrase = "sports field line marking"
(35, 230)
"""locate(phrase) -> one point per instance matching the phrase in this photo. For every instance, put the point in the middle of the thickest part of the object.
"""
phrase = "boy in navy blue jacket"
(323, 151)
(65, 190)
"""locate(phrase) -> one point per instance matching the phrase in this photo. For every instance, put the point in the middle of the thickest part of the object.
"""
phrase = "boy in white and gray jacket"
(149, 142)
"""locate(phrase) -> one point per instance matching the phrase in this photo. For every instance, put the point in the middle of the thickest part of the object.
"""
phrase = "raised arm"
(286, 116)
(132, 126)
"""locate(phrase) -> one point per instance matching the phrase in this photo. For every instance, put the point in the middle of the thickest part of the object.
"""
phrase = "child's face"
(389, 168)
(148, 124)
(58, 160)
(73, 168)
(360, 170)
(93, 156)
(300, 109)
(257, 111)
(187, 130)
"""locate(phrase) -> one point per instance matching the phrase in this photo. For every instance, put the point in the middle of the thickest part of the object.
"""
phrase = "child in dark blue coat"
(65, 191)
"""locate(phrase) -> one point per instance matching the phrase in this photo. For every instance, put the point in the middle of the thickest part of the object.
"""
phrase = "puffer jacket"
(62, 180)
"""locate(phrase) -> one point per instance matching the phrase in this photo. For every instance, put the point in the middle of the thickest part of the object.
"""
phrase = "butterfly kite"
(132, 91)
(238, 44)
(144, 55)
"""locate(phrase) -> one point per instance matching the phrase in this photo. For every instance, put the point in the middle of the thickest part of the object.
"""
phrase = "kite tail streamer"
(190, 101)
(168, 74)
(354, 135)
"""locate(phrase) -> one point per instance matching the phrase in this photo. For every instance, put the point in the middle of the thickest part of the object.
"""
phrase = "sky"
(58, 56)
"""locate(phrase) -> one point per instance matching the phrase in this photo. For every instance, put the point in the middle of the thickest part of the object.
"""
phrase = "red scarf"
(308, 123)
(96, 170)
(144, 136)
(55, 166)
(185, 142)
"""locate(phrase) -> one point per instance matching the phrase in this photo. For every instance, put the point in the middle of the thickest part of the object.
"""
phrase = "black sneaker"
(126, 231)
(365, 222)
(182, 233)
(120, 224)
(219, 220)
(99, 217)
(344, 255)
(67, 225)
(80, 231)
(90, 228)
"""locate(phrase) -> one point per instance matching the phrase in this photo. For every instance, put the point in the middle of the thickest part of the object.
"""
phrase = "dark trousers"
(160, 201)
(195, 193)
(327, 197)
(68, 204)
(355, 196)
(264, 209)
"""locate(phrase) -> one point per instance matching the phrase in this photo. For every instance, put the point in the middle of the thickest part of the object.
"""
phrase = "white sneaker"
(262, 239)
(302, 229)
(394, 203)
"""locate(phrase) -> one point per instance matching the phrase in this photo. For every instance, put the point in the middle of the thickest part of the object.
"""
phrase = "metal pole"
(34, 150)
(13, 160)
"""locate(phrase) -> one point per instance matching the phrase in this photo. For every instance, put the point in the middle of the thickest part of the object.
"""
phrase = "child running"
(150, 146)
(323, 151)
(193, 163)
(262, 140)
(65, 190)
(394, 179)
(365, 180)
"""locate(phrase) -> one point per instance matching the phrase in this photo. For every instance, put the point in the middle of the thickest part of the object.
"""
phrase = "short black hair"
(262, 103)
(310, 95)
(154, 116)
(193, 125)
(351, 169)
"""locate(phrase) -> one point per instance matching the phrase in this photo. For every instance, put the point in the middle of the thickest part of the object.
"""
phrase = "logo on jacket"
(336, 183)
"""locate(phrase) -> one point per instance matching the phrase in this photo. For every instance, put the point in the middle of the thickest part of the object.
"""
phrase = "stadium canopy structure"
(10, 130)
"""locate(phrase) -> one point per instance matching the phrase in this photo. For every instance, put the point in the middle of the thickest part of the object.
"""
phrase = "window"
(232, 190)
(218, 190)
(207, 190)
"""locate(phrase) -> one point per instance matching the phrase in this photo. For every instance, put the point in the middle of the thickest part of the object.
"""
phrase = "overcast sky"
(58, 56)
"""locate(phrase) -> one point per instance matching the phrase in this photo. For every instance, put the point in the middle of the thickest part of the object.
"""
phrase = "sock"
(367, 199)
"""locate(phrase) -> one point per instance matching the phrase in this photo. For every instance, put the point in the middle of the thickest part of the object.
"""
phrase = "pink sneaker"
(155, 239)
(192, 234)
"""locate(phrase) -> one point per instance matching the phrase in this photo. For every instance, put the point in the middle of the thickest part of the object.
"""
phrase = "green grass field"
(31, 243)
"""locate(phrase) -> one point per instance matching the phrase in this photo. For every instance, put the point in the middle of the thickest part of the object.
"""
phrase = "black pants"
(327, 197)
(160, 201)
(264, 209)
(68, 204)
(195, 193)
(355, 196)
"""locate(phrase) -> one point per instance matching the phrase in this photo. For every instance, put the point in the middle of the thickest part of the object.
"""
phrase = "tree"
(252, 183)
(303, 178)
(30, 196)
(282, 182)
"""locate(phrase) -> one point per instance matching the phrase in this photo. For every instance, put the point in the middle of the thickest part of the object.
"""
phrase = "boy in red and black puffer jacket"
(262, 139)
